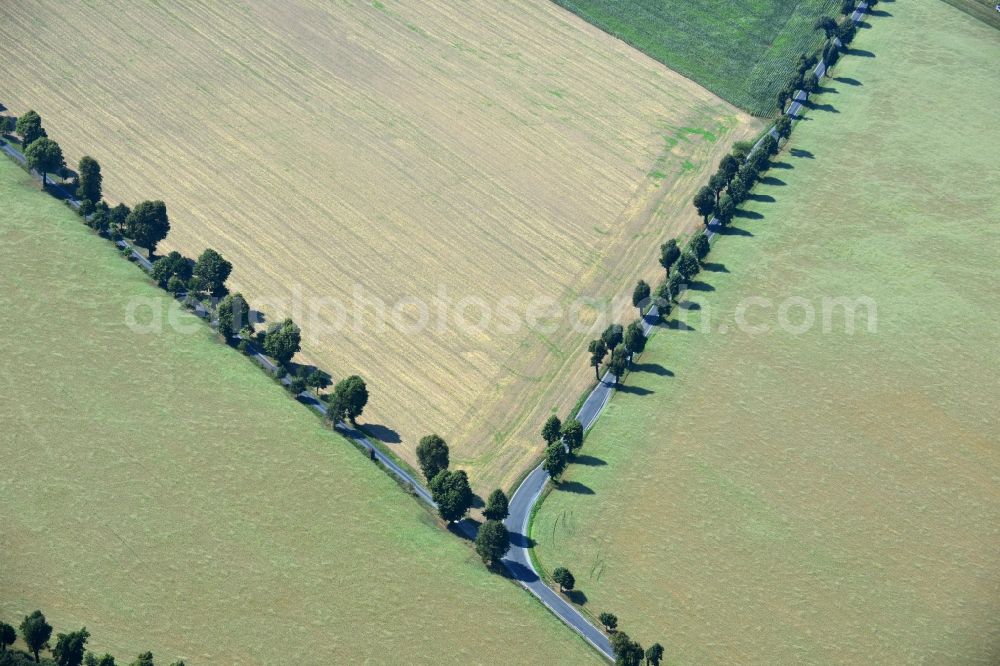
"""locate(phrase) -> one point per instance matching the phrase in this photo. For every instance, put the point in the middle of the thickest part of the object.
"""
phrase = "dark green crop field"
(742, 51)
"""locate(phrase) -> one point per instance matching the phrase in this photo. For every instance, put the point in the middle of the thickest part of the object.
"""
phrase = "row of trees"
(69, 649)
(147, 224)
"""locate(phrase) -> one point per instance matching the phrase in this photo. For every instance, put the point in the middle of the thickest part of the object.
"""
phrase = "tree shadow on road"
(521, 541)
(517, 571)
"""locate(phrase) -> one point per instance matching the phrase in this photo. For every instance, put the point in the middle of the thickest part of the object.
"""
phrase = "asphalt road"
(518, 560)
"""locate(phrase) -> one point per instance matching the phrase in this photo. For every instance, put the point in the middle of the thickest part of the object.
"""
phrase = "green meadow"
(745, 52)
(771, 488)
(161, 490)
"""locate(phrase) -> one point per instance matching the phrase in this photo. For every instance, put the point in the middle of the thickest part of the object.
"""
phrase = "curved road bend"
(518, 560)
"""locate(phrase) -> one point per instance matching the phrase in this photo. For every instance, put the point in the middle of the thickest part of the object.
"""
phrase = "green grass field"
(776, 498)
(162, 491)
(745, 52)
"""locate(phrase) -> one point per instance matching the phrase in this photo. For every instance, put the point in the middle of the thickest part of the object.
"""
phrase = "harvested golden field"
(400, 151)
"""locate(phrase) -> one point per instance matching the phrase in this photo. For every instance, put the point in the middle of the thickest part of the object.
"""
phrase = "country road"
(524, 499)
(526, 496)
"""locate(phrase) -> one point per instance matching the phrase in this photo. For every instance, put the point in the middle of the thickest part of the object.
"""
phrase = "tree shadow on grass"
(477, 502)
(782, 165)
(653, 369)
(763, 198)
(698, 285)
(576, 597)
(382, 433)
(771, 180)
(467, 529)
(634, 390)
(574, 487)
(677, 325)
(689, 305)
(715, 267)
(847, 81)
(820, 107)
(801, 152)
(879, 12)
(748, 214)
(827, 90)
(861, 53)
(735, 231)
(589, 461)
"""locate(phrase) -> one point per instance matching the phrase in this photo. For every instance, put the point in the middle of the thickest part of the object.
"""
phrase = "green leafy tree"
(492, 542)
(640, 295)
(741, 149)
(89, 180)
(700, 246)
(827, 25)
(167, 267)
(847, 7)
(282, 342)
(7, 636)
(769, 146)
(317, 379)
(737, 191)
(810, 82)
(93, 660)
(564, 578)
(117, 216)
(783, 97)
(688, 266)
(846, 32)
(147, 224)
(234, 315)
(783, 126)
(717, 182)
(350, 395)
(669, 254)
(728, 167)
(497, 506)
(144, 659)
(704, 202)
(726, 208)
(70, 648)
(175, 285)
(212, 271)
(598, 350)
(635, 339)
(609, 621)
(432, 455)
(627, 652)
(36, 632)
(555, 459)
(748, 174)
(674, 285)
(572, 435)
(452, 494)
(654, 655)
(29, 127)
(551, 429)
(44, 156)
(612, 335)
(619, 362)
